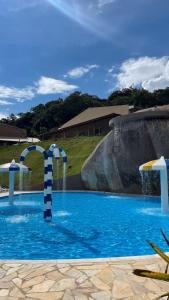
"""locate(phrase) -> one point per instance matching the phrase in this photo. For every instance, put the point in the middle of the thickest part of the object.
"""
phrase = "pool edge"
(81, 261)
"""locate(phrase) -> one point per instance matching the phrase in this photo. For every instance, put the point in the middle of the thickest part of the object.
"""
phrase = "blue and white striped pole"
(48, 167)
(48, 183)
(55, 152)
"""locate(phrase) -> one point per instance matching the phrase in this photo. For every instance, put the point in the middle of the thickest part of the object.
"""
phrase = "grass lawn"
(77, 149)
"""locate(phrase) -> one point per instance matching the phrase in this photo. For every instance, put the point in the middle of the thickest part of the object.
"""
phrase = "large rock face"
(133, 140)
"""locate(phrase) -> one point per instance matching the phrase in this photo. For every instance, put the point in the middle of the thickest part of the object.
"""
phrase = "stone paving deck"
(85, 280)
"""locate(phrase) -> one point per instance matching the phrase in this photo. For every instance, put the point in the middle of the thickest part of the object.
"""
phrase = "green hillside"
(77, 149)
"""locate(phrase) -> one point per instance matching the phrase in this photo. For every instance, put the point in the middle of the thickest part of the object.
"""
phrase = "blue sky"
(50, 48)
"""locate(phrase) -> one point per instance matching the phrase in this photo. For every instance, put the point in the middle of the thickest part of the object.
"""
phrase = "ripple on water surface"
(84, 225)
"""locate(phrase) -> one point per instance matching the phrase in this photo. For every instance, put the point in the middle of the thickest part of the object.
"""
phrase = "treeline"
(43, 117)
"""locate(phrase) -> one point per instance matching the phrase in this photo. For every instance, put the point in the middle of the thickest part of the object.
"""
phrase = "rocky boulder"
(133, 140)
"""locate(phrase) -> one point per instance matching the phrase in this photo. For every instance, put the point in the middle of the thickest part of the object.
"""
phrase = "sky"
(51, 48)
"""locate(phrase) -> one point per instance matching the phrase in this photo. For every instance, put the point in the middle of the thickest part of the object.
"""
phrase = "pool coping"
(82, 260)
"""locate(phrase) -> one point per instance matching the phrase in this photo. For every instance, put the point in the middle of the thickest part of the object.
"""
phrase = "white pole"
(11, 186)
(57, 174)
(64, 176)
(21, 179)
(164, 190)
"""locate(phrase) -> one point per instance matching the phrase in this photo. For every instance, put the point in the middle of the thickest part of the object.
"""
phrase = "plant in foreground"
(157, 275)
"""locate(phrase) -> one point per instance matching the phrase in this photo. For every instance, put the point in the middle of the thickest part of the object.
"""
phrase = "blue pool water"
(85, 225)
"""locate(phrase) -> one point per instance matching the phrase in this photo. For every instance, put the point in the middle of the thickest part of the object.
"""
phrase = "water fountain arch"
(53, 152)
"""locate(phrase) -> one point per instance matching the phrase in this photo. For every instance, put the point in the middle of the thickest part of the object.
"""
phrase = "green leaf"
(150, 274)
(166, 269)
(162, 296)
(159, 252)
(164, 236)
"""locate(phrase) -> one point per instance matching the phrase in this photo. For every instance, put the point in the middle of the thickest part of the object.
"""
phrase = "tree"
(43, 117)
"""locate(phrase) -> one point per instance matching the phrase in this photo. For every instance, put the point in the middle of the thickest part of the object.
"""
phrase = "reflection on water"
(153, 212)
(17, 219)
(19, 203)
(13, 210)
(61, 213)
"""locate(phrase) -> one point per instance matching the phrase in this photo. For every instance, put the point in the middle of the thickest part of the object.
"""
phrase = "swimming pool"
(84, 225)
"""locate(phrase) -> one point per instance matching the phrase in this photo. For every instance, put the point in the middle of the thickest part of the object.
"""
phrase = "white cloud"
(80, 71)
(156, 83)
(15, 93)
(151, 73)
(102, 3)
(111, 69)
(5, 102)
(3, 116)
(46, 85)
(43, 86)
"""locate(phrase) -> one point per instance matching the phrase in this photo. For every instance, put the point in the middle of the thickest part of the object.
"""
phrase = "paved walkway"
(80, 280)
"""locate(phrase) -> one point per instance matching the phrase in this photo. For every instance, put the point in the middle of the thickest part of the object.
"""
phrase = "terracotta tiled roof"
(93, 113)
